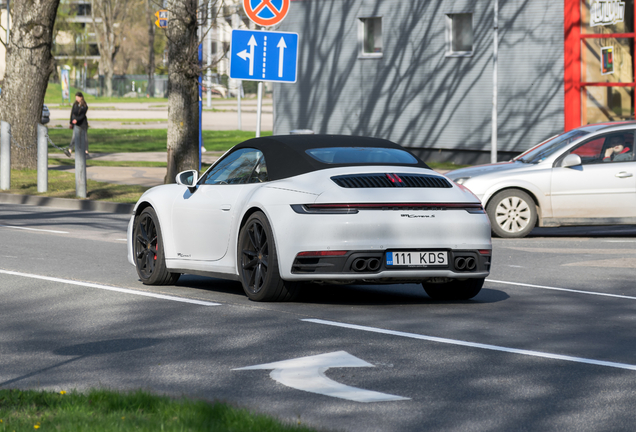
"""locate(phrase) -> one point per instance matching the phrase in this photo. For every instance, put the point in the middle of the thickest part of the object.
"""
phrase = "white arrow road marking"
(245, 55)
(308, 374)
(281, 49)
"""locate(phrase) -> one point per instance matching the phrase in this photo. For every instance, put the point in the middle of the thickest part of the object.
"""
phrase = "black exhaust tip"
(373, 264)
(460, 263)
(359, 265)
(471, 263)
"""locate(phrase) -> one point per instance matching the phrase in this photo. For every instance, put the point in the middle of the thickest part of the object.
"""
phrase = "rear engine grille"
(386, 180)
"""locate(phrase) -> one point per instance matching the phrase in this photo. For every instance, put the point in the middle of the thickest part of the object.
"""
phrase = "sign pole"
(238, 98)
(493, 143)
(259, 106)
(250, 58)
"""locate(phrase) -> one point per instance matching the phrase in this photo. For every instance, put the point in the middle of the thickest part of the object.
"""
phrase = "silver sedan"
(585, 176)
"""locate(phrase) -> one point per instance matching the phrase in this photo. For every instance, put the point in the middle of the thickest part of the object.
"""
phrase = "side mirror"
(571, 160)
(188, 178)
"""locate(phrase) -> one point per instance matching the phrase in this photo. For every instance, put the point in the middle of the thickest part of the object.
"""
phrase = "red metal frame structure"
(573, 63)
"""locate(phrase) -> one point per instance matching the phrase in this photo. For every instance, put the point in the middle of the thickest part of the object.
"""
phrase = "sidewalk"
(143, 176)
(223, 115)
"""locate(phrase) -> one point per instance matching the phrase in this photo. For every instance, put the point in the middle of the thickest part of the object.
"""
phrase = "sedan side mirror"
(571, 160)
(188, 178)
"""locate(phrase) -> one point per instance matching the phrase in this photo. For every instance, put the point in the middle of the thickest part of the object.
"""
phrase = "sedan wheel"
(148, 250)
(258, 264)
(512, 214)
(454, 290)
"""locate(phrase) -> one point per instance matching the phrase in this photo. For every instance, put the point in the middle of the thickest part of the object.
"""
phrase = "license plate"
(417, 258)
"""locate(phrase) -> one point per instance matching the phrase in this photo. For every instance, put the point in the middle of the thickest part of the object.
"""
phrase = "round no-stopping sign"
(266, 12)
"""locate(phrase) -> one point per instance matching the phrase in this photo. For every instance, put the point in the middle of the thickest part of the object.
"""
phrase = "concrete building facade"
(428, 83)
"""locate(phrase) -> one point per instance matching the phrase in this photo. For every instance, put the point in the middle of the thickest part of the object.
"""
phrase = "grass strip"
(144, 140)
(131, 120)
(62, 185)
(106, 410)
(53, 95)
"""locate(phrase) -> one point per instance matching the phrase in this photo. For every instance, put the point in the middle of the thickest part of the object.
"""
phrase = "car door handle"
(226, 207)
(624, 174)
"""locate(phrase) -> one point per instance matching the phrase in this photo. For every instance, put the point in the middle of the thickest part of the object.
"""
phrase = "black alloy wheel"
(258, 264)
(148, 250)
(454, 290)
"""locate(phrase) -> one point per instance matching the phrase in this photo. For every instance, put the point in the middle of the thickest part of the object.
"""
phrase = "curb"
(67, 203)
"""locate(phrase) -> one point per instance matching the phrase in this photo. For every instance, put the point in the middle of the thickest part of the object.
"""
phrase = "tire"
(454, 290)
(148, 250)
(512, 213)
(258, 263)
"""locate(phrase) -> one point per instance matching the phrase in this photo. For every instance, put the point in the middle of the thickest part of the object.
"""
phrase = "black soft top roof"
(285, 155)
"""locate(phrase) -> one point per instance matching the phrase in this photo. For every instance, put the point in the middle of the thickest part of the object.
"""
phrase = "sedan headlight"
(461, 180)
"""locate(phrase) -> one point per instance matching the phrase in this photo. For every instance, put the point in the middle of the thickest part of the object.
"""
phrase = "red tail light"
(322, 253)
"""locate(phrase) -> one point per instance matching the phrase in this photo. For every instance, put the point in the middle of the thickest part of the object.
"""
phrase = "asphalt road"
(547, 345)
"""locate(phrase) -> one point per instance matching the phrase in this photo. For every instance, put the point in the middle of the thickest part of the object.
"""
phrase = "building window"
(459, 35)
(370, 37)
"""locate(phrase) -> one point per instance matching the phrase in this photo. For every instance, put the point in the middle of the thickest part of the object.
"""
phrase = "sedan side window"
(616, 147)
(235, 168)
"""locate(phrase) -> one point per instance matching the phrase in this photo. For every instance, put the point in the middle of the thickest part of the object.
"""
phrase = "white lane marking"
(34, 229)
(620, 241)
(122, 239)
(563, 289)
(308, 374)
(111, 288)
(476, 345)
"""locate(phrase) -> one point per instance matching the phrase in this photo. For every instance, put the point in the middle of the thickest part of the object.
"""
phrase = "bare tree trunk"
(151, 48)
(183, 98)
(28, 67)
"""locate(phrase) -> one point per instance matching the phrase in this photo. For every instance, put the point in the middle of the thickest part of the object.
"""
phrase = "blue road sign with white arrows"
(264, 56)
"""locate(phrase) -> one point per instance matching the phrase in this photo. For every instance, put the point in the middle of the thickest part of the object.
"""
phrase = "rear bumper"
(370, 234)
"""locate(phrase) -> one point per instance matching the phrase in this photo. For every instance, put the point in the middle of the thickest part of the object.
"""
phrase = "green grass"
(444, 165)
(62, 185)
(105, 411)
(124, 120)
(54, 96)
(144, 140)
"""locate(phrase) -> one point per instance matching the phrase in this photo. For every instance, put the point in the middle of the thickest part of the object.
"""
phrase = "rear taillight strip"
(355, 208)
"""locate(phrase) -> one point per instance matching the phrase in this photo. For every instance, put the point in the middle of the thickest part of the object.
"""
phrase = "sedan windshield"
(543, 150)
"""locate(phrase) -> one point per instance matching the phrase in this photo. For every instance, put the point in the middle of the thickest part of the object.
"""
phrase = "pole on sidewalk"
(259, 108)
(5, 156)
(79, 138)
(239, 90)
(495, 51)
(43, 158)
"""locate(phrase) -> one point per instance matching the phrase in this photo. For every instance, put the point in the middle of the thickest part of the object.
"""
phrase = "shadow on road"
(354, 295)
(586, 231)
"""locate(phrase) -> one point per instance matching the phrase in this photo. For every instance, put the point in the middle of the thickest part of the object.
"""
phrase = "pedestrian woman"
(79, 123)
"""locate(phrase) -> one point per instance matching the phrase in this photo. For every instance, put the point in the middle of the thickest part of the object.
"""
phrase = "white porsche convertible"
(277, 212)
